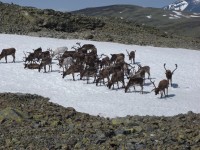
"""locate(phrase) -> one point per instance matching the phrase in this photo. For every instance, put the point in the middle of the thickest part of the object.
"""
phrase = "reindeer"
(116, 77)
(115, 56)
(145, 68)
(31, 66)
(163, 84)
(131, 56)
(6, 52)
(139, 74)
(104, 61)
(89, 72)
(135, 81)
(45, 61)
(72, 70)
(169, 74)
(58, 51)
(30, 58)
(104, 73)
(65, 62)
(37, 52)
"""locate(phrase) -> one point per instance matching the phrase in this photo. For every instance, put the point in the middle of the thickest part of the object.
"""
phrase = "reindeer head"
(157, 90)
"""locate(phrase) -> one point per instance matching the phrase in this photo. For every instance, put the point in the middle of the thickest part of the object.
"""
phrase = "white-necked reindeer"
(169, 74)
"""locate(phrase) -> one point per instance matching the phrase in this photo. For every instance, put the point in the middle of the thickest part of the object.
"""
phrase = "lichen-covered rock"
(32, 122)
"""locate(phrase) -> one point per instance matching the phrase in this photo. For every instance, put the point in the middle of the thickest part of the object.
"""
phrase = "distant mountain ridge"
(144, 30)
(185, 5)
(173, 22)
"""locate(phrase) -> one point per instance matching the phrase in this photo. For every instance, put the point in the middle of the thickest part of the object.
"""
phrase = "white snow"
(88, 98)
(149, 17)
(182, 5)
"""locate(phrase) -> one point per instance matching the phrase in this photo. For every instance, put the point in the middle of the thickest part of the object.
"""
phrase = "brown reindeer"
(72, 70)
(6, 52)
(135, 81)
(145, 68)
(46, 61)
(163, 84)
(116, 77)
(31, 66)
(131, 56)
(37, 52)
(104, 61)
(114, 57)
(169, 74)
(30, 58)
(104, 73)
(89, 72)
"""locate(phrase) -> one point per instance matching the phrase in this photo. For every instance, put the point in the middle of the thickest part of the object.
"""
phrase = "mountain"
(185, 5)
(141, 30)
(172, 22)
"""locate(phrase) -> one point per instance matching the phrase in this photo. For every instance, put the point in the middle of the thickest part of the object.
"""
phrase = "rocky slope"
(50, 23)
(183, 24)
(32, 122)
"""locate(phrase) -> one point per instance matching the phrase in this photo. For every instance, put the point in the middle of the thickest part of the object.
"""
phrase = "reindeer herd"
(84, 61)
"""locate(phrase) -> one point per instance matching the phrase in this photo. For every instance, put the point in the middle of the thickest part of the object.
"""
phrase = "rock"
(12, 114)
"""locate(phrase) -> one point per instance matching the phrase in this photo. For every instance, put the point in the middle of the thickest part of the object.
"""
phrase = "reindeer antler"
(164, 66)
(127, 52)
(175, 68)
(153, 83)
(78, 43)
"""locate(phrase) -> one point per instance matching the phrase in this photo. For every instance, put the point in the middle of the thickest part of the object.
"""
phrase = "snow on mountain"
(183, 95)
(185, 5)
(179, 5)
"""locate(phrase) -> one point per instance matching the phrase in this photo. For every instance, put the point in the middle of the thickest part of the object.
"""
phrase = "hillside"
(50, 23)
(173, 22)
(32, 122)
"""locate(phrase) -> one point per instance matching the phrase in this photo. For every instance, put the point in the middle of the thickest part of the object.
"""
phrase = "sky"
(71, 5)
(183, 96)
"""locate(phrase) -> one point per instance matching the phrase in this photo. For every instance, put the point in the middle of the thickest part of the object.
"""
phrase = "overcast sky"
(70, 5)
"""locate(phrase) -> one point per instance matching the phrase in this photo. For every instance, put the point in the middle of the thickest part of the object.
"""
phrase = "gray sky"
(70, 5)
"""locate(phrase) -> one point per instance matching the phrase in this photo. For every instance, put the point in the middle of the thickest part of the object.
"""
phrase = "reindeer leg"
(171, 81)
(73, 76)
(13, 58)
(142, 89)
(134, 88)
(6, 58)
(118, 84)
(161, 94)
(167, 91)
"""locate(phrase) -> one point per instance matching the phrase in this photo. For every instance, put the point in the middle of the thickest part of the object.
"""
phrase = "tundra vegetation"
(24, 117)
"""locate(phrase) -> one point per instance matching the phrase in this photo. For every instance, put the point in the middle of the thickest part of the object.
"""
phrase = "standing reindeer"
(6, 52)
(169, 74)
(131, 56)
(163, 84)
(45, 61)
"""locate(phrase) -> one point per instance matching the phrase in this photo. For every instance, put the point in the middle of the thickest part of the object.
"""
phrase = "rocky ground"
(32, 122)
(56, 24)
